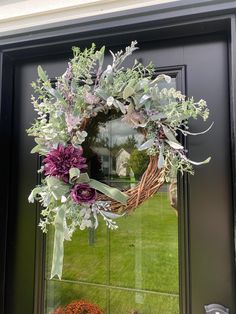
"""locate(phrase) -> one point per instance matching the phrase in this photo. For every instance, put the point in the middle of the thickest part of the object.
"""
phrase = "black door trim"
(165, 14)
(158, 22)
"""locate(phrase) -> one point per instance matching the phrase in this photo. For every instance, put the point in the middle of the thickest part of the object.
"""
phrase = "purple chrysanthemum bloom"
(59, 161)
(83, 193)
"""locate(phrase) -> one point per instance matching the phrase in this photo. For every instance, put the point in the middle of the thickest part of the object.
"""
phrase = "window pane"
(144, 250)
(83, 261)
(128, 302)
(59, 294)
(133, 268)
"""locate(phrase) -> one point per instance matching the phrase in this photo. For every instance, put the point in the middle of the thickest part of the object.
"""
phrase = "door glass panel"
(133, 269)
(63, 293)
(149, 246)
(141, 302)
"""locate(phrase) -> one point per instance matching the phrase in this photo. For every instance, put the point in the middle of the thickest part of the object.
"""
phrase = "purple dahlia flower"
(83, 193)
(58, 162)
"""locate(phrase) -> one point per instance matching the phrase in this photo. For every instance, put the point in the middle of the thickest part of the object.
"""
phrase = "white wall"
(20, 14)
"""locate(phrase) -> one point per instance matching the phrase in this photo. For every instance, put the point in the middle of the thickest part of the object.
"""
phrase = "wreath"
(69, 197)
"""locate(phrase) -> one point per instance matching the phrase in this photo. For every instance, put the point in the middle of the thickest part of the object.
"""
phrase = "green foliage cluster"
(86, 89)
(138, 162)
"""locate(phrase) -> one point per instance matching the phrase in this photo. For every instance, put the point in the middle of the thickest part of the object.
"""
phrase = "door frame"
(159, 22)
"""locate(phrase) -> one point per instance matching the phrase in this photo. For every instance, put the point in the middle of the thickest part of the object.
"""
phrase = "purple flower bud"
(83, 193)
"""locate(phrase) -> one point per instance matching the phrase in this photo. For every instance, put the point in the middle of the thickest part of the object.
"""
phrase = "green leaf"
(198, 133)
(154, 93)
(144, 98)
(111, 215)
(132, 82)
(36, 149)
(39, 149)
(147, 144)
(142, 83)
(174, 145)
(34, 193)
(161, 159)
(120, 106)
(197, 163)
(109, 191)
(57, 95)
(74, 85)
(42, 74)
(162, 77)
(158, 116)
(169, 134)
(100, 93)
(148, 105)
(101, 57)
(127, 92)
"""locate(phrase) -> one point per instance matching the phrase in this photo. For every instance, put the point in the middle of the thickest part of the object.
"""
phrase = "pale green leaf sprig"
(87, 63)
(82, 91)
(86, 88)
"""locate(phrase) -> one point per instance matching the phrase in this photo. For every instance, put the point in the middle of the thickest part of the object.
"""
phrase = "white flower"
(86, 224)
(110, 101)
(31, 197)
(79, 138)
(63, 199)
(202, 103)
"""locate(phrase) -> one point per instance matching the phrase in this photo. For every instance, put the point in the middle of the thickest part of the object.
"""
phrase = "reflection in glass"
(135, 268)
(142, 303)
(59, 294)
(144, 253)
(112, 151)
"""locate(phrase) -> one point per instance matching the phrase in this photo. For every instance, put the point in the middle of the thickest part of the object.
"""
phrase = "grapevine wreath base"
(69, 197)
(150, 182)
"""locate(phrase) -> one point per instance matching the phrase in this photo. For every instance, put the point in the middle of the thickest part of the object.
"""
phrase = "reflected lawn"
(142, 254)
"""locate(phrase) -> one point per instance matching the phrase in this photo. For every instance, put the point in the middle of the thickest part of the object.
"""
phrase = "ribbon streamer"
(58, 248)
(109, 191)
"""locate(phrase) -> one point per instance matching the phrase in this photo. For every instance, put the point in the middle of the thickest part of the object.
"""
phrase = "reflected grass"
(142, 254)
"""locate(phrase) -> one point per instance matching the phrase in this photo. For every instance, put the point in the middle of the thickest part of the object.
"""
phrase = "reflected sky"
(118, 132)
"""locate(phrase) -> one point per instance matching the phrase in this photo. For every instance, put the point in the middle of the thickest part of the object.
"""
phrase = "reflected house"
(122, 158)
(105, 158)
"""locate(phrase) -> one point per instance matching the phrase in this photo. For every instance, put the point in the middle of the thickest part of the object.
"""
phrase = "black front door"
(198, 66)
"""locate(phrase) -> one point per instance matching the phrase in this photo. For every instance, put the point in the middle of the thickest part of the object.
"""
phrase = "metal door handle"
(216, 309)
